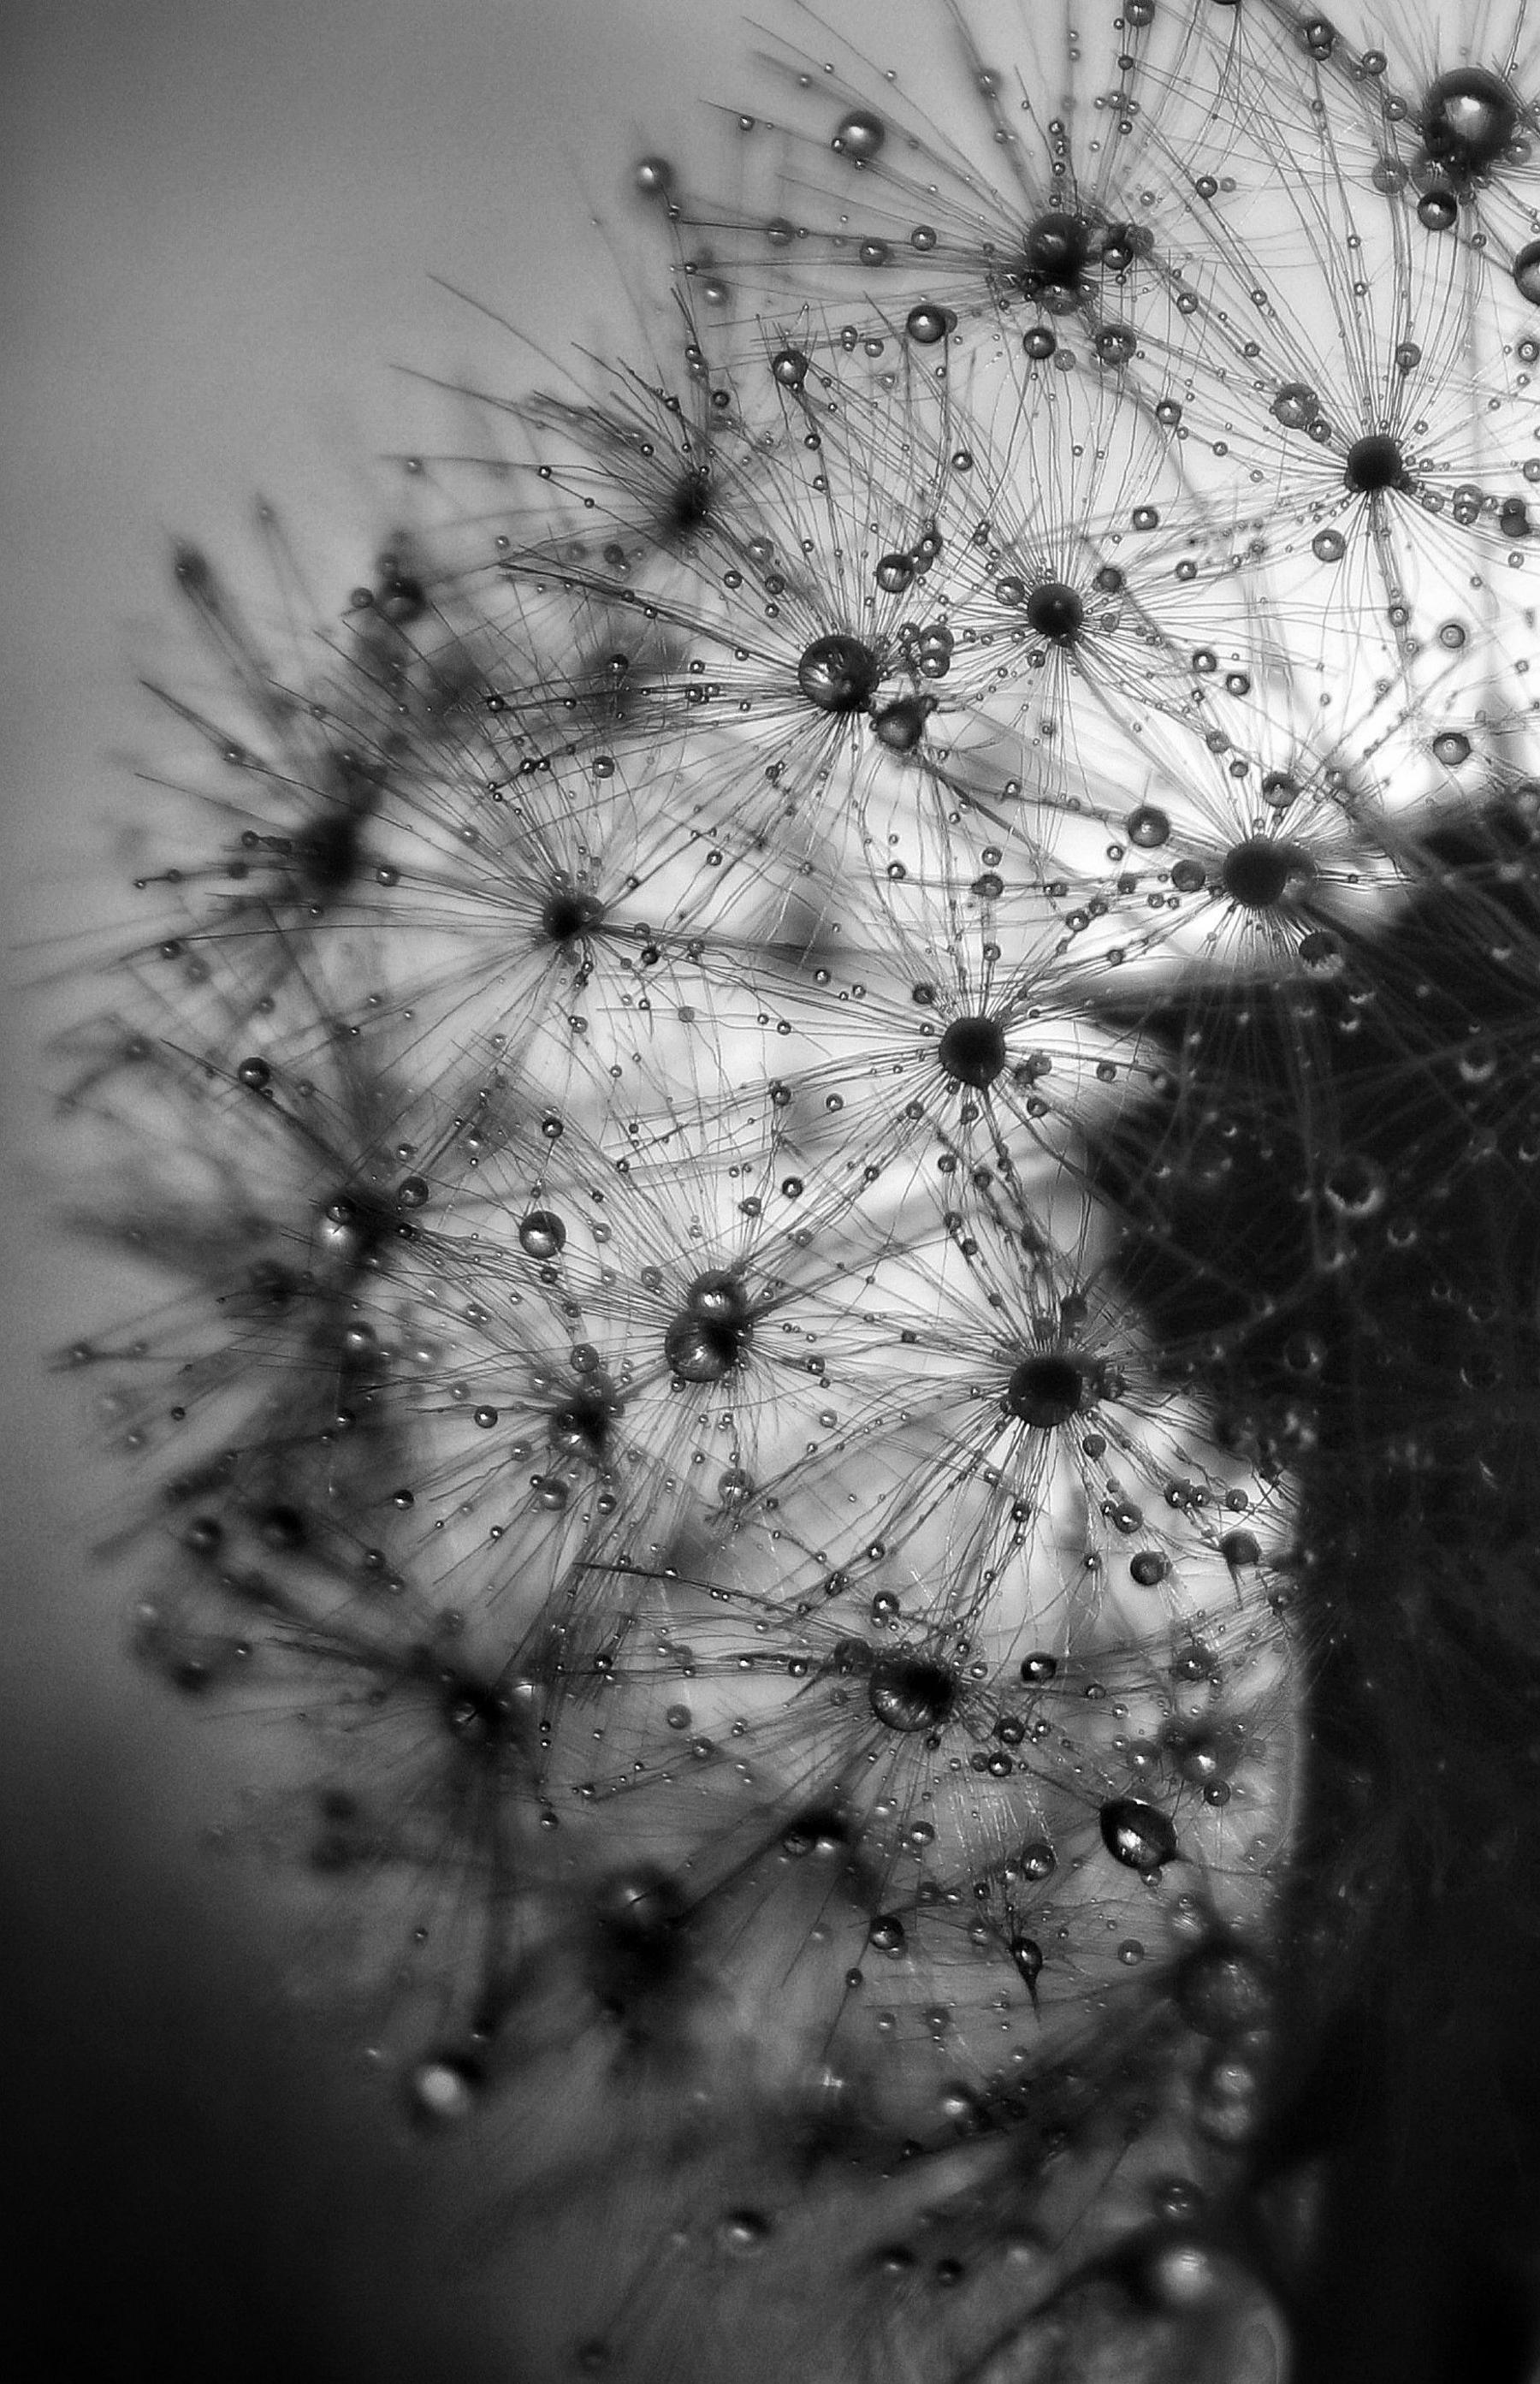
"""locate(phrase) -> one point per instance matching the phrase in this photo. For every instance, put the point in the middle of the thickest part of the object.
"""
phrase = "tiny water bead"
(838, 674)
(444, 2091)
(655, 178)
(744, 2232)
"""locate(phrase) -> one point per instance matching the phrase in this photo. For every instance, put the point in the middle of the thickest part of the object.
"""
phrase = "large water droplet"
(542, 1233)
(860, 135)
(1296, 405)
(1468, 118)
(1147, 827)
(927, 324)
(1056, 251)
(910, 1693)
(1137, 1835)
(838, 674)
(707, 1338)
(1258, 872)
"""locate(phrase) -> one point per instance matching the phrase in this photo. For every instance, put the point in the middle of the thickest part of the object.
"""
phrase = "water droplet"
(1259, 871)
(910, 1693)
(744, 2232)
(839, 674)
(1321, 952)
(709, 1336)
(900, 725)
(1137, 1835)
(1115, 344)
(1328, 546)
(1468, 118)
(542, 1233)
(1296, 405)
(1057, 251)
(1355, 1185)
(927, 324)
(790, 366)
(1147, 827)
(1027, 1955)
(1526, 272)
(443, 2089)
(860, 135)
(654, 178)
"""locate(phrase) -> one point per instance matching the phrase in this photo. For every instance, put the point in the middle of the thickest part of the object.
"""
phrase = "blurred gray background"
(220, 221)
